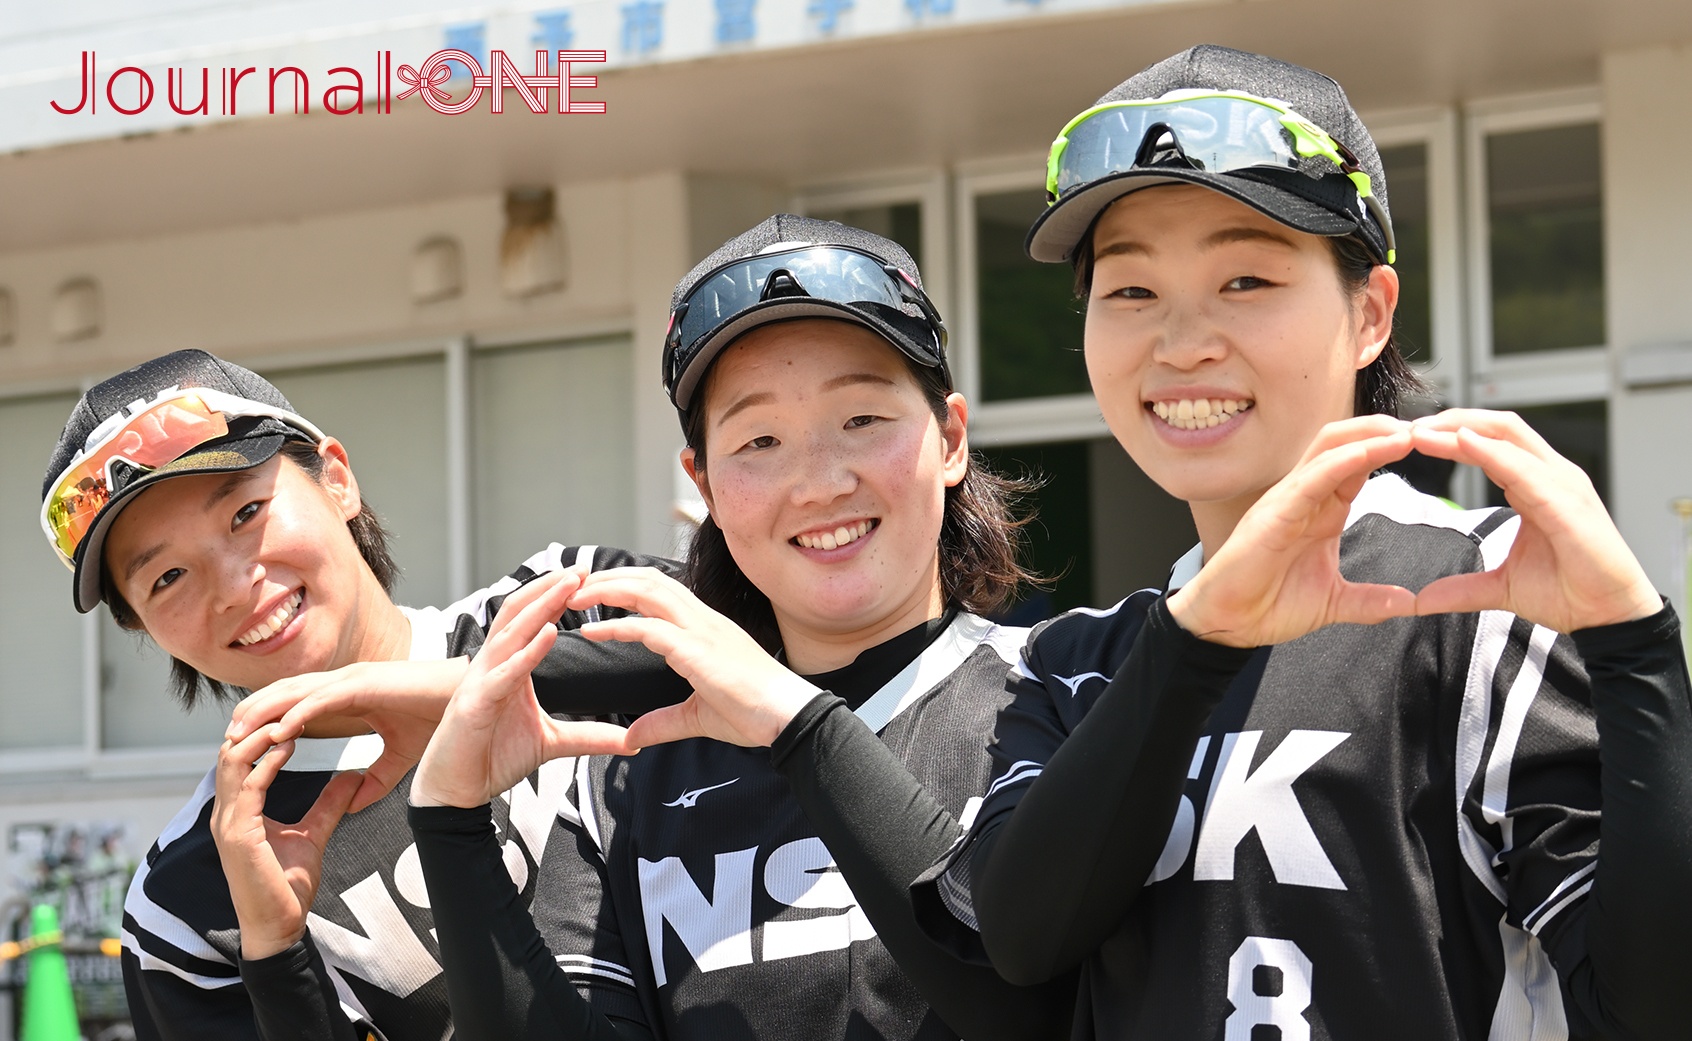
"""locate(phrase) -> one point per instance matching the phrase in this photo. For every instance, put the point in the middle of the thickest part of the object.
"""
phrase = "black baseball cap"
(1316, 198)
(106, 408)
(884, 293)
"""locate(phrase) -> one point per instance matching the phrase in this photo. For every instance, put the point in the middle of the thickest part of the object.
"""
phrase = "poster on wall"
(82, 869)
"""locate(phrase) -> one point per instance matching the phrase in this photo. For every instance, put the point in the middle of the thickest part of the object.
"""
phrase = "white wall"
(336, 286)
(266, 293)
(331, 280)
(1648, 229)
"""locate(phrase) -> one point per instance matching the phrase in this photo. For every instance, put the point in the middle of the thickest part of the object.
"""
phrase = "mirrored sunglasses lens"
(1215, 134)
(837, 275)
(157, 436)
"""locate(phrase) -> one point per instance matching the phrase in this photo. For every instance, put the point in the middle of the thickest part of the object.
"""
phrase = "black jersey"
(704, 904)
(370, 921)
(1384, 829)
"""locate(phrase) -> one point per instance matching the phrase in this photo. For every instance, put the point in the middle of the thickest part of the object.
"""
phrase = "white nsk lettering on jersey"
(802, 874)
(1181, 834)
(531, 814)
(717, 932)
(389, 955)
(533, 810)
(1264, 800)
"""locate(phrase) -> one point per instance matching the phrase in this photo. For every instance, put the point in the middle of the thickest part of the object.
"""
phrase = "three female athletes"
(1369, 766)
(757, 884)
(1382, 828)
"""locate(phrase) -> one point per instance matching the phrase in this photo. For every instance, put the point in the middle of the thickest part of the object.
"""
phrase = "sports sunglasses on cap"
(836, 274)
(1218, 131)
(134, 443)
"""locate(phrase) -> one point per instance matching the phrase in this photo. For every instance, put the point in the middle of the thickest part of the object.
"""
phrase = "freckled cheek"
(180, 630)
(904, 472)
(742, 504)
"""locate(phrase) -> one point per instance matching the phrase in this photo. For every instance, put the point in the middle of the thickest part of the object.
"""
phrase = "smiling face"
(1219, 341)
(248, 577)
(826, 469)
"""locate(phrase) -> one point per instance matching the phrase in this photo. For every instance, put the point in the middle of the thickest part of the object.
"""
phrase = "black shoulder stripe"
(1491, 524)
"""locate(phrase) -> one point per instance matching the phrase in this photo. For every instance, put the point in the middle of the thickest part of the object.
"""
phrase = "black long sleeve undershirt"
(293, 997)
(502, 982)
(884, 829)
(582, 678)
(867, 807)
(1640, 908)
(1047, 880)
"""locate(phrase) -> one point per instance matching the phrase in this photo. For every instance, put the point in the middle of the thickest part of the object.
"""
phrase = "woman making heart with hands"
(1349, 774)
(748, 872)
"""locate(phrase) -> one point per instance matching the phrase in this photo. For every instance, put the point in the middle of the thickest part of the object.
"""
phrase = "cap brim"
(1057, 231)
(226, 457)
(781, 309)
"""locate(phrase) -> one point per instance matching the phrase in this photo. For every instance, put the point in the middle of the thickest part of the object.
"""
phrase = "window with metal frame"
(553, 450)
(41, 696)
(1545, 232)
(1028, 320)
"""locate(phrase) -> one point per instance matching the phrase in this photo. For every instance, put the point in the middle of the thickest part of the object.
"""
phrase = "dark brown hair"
(367, 534)
(1384, 384)
(980, 534)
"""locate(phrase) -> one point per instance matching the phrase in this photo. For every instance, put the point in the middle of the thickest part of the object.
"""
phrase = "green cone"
(49, 1010)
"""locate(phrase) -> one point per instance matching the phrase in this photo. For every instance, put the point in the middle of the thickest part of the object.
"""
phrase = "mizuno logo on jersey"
(1243, 800)
(688, 799)
(1074, 682)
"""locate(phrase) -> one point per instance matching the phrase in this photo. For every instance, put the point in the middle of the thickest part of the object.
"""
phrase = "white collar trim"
(1187, 568)
(935, 663)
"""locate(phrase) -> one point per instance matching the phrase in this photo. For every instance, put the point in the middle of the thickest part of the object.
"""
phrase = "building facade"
(474, 302)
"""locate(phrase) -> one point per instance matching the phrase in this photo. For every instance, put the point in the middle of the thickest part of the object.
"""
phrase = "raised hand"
(740, 694)
(1277, 576)
(400, 700)
(1568, 567)
(494, 732)
(273, 869)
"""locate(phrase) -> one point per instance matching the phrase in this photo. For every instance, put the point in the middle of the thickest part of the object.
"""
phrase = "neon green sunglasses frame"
(1308, 140)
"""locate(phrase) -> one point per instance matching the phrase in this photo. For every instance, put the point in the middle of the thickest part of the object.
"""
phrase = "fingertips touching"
(598, 590)
(1502, 426)
(1435, 440)
(346, 785)
(370, 791)
(1358, 428)
(599, 632)
(619, 584)
(251, 747)
(272, 761)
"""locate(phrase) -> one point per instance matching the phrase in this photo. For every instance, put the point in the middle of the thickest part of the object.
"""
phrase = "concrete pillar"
(674, 221)
(659, 252)
(1647, 225)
